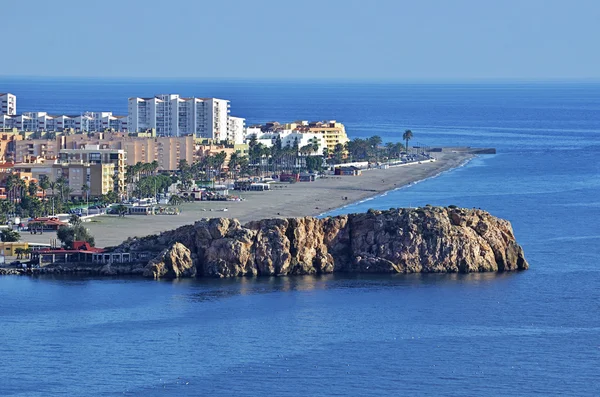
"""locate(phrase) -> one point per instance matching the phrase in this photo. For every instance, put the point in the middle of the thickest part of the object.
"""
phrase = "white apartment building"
(172, 115)
(42, 121)
(8, 104)
(236, 131)
(288, 138)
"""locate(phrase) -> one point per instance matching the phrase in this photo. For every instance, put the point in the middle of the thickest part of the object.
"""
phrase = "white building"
(289, 138)
(8, 104)
(172, 115)
(42, 121)
(236, 132)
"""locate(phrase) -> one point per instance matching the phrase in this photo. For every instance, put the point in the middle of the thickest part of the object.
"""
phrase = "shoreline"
(300, 199)
(466, 161)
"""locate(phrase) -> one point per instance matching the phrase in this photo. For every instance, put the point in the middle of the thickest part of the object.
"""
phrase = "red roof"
(85, 246)
(49, 221)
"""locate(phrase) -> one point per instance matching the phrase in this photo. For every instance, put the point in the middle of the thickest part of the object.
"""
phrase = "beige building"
(97, 176)
(211, 149)
(140, 147)
(333, 132)
(93, 154)
(167, 151)
(8, 145)
(145, 148)
(41, 148)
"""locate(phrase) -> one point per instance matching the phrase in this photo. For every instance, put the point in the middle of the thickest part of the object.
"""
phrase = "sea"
(531, 333)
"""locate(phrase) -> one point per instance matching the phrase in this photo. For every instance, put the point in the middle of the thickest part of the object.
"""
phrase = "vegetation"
(8, 235)
(407, 136)
(23, 252)
(69, 234)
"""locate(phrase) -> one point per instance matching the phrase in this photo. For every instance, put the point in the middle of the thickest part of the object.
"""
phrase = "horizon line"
(321, 79)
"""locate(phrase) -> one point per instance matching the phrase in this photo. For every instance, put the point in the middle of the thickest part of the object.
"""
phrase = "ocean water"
(530, 333)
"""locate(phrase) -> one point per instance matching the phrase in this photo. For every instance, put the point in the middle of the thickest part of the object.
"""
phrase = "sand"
(285, 200)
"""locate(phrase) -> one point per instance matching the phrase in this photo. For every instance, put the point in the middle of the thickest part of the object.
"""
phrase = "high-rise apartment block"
(172, 115)
(8, 104)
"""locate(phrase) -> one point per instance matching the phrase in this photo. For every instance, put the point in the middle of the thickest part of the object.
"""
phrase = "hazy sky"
(376, 39)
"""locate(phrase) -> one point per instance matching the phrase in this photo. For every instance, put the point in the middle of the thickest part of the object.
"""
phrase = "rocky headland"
(422, 240)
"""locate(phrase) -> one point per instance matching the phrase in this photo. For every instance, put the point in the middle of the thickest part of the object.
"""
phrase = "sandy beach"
(285, 200)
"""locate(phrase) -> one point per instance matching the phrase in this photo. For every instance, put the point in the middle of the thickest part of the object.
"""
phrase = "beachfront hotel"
(288, 138)
(328, 133)
(172, 115)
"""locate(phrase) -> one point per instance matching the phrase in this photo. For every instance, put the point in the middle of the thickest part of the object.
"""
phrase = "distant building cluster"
(91, 151)
(169, 115)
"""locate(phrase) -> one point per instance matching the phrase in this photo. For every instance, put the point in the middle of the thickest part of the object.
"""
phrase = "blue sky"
(350, 39)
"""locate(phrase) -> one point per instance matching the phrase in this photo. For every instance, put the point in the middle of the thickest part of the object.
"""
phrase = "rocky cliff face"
(428, 240)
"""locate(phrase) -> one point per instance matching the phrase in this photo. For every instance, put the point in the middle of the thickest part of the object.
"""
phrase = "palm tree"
(85, 191)
(233, 163)
(175, 200)
(62, 184)
(407, 136)
(10, 185)
(32, 188)
(44, 185)
(389, 147)
(220, 161)
(154, 166)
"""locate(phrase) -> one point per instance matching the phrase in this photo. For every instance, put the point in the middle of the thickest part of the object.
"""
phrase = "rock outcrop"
(173, 262)
(428, 240)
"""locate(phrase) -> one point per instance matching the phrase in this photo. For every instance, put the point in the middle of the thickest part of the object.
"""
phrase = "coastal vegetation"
(8, 235)
(75, 231)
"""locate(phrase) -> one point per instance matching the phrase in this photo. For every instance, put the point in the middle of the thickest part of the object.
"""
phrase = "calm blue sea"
(530, 333)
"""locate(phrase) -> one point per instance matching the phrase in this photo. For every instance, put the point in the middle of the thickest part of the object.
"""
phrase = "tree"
(85, 189)
(9, 235)
(314, 163)
(175, 200)
(19, 252)
(44, 183)
(32, 188)
(62, 185)
(69, 234)
(407, 136)
(219, 161)
(338, 153)
(121, 210)
(6, 208)
(74, 219)
(154, 166)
